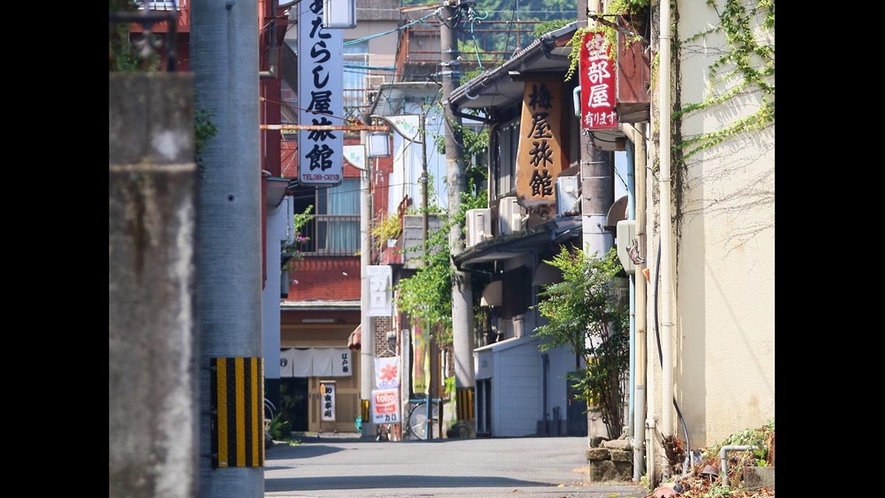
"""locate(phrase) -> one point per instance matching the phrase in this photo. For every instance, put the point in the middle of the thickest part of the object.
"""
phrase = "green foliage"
(747, 60)
(587, 313)
(280, 427)
(387, 227)
(758, 437)
(204, 129)
(123, 55)
(450, 386)
(548, 26)
(290, 252)
(619, 15)
(427, 295)
(283, 421)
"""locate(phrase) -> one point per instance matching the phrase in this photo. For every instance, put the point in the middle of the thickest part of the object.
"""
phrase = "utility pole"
(456, 179)
(597, 196)
(224, 60)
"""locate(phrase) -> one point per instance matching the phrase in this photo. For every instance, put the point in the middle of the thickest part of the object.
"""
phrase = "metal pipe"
(666, 228)
(723, 461)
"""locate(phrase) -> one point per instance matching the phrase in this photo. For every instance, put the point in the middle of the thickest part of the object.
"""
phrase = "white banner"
(385, 406)
(380, 289)
(407, 125)
(387, 372)
(320, 97)
(316, 362)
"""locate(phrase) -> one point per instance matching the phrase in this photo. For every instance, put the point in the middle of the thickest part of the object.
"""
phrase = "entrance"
(293, 401)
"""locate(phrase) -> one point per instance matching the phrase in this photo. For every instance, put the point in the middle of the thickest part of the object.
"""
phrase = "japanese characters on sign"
(320, 97)
(327, 391)
(539, 155)
(597, 69)
(385, 409)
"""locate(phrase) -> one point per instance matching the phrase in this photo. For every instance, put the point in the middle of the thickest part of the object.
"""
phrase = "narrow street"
(447, 468)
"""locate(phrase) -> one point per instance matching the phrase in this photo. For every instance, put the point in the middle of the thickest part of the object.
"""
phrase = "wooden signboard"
(540, 156)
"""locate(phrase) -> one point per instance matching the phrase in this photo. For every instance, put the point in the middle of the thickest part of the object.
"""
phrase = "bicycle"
(418, 418)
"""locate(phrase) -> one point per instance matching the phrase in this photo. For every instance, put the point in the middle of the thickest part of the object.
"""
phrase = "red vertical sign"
(598, 76)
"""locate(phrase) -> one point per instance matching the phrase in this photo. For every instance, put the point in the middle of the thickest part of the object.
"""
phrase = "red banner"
(598, 79)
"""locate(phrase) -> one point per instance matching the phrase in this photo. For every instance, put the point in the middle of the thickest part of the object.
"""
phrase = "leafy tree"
(427, 295)
(586, 312)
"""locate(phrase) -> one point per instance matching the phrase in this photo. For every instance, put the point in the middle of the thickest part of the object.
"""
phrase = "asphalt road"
(535, 467)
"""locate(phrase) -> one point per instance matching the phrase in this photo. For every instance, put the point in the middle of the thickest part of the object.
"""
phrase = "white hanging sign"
(380, 289)
(385, 409)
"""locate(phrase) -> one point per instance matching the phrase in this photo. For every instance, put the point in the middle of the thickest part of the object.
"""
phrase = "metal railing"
(330, 235)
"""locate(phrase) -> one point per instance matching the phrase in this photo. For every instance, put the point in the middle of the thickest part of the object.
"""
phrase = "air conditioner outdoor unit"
(568, 197)
(479, 226)
(509, 216)
(373, 81)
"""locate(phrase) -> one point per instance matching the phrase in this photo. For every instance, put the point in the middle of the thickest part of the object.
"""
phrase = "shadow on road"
(394, 481)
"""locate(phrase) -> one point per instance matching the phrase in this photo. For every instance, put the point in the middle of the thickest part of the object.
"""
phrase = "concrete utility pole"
(597, 196)
(224, 59)
(152, 412)
(456, 179)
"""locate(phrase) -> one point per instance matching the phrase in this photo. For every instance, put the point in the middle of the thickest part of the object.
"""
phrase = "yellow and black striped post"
(464, 403)
(238, 412)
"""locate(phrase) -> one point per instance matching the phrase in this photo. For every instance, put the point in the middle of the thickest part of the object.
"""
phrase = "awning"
(543, 237)
(353, 342)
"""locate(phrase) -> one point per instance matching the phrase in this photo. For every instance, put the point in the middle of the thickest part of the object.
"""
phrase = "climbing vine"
(747, 63)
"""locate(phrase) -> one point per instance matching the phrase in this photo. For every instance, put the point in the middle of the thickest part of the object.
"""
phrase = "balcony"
(330, 235)
(493, 42)
(178, 10)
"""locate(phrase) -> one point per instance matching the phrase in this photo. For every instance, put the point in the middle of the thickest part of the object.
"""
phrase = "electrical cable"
(661, 353)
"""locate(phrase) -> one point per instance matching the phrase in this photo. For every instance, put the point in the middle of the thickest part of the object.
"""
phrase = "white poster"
(327, 391)
(380, 289)
(385, 409)
(387, 372)
(320, 97)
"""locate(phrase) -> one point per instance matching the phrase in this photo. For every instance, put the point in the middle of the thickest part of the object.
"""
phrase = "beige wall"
(724, 314)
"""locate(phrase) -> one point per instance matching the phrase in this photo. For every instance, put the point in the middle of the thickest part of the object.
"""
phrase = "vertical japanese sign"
(598, 75)
(341, 366)
(380, 289)
(327, 404)
(539, 157)
(320, 97)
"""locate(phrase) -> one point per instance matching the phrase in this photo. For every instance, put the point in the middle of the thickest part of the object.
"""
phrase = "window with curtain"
(339, 232)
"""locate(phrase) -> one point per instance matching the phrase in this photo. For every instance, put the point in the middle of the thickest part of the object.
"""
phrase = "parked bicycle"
(417, 419)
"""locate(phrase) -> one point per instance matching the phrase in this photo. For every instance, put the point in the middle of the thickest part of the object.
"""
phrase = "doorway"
(293, 402)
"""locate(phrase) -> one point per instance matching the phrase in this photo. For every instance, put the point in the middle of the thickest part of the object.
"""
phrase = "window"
(356, 64)
(334, 229)
(507, 143)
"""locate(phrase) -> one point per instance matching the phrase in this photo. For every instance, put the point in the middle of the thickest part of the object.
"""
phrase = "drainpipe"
(636, 134)
(666, 228)
(546, 372)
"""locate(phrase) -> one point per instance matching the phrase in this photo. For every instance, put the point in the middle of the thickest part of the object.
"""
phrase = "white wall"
(277, 231)
(516, 389)
(407, 164)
